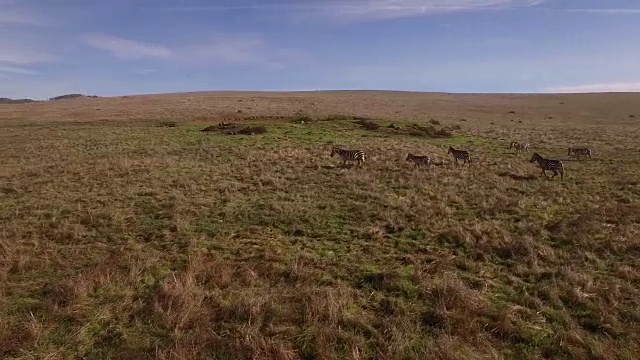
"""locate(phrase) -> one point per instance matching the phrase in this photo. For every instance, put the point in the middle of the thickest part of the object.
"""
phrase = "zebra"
(579, 151)
(548, 164)
(419, 159)
(348, 155)
(519, 147)
(460, 154)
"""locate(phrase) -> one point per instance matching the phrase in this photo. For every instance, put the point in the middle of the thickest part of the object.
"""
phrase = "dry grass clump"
(235, 129)
(120, 239)
(429, 131)
(368, 124)
(168, 124)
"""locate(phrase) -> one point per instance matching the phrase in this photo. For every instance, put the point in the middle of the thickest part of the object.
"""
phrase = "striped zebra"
(460, 155)
(579, 151)
(419, 159)
(548, 164)
(524, 147)
(348, 155)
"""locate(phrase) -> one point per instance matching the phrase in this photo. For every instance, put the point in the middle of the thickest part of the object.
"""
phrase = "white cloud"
(602, 87)
(219, 50)
(15, 16)
(238, 49)
(16, 70)
(144, 71)
(371, 9)
(126, 49)
(389, 9)
(10, 54)
(607, 11)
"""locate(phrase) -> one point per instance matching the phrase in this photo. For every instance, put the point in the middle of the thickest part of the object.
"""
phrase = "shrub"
(252, 130)
(367, 124)
(67, 96)
(168, 124)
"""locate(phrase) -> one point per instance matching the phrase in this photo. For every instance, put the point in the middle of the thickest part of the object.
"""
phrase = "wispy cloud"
(15, 16)
(11, 54)
(126, 49)
(602, 87)
(238, 49)
(144, 71)
(372, 9)
(16, 70)
(619, 11)
(219, 50)
(17, 50)
(390, 9)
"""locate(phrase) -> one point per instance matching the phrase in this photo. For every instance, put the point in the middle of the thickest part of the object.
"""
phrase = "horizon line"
(329, 90)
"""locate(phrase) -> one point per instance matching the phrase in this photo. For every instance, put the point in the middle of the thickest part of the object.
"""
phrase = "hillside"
(127, 232)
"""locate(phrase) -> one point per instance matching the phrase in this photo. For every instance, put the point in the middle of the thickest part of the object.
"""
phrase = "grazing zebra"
(548, 164)
(519, 147)
(418, 159)
(460, 154)
(579, 151)
(348, 155)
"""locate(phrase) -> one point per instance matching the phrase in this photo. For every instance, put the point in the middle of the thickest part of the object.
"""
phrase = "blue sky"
(53, 47)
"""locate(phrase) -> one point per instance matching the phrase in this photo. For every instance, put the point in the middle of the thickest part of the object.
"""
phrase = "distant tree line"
(26, 101)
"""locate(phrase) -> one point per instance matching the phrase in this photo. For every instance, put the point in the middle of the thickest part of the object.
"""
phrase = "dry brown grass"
(120, 238)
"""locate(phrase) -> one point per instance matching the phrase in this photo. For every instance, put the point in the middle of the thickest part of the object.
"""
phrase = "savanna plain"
(128, 233)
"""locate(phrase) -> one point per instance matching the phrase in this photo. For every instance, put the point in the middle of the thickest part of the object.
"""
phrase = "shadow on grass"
(518, 177)
(340, 166)
(582, 159)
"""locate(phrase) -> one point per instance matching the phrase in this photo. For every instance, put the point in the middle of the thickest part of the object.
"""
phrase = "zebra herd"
(555, 166)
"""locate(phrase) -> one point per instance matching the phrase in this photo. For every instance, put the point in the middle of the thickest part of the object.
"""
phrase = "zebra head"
(513, 144)
(569, 151)
(451, 149)
(409, 156)
(535, 157)
(334, 150)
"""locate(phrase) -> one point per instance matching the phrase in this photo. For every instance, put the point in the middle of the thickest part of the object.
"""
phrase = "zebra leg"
(544, 172)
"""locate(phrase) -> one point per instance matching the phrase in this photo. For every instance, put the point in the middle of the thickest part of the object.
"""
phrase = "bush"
(368, 124)
(444, 133)
(301, 118)
(252, 130)
(337, 117)
(235, 129)
(16, 101)
(67, 96)
(430, 131)
(168, 124)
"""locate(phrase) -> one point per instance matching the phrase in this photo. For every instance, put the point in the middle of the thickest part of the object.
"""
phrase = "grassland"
(123, 239)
